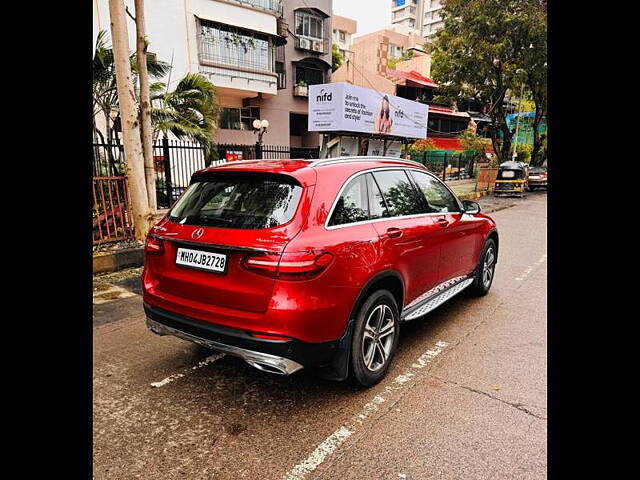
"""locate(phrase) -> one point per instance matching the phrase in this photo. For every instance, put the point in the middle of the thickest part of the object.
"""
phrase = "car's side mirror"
(471, 207)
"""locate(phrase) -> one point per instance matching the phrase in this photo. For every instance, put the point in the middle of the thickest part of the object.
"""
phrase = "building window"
(282, 75)
(309, 73)
(227, 45)
(343, 36)
(309, 25)
(237, 118)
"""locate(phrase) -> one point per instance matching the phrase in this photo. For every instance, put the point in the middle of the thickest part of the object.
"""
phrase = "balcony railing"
(274, 6)
(224, 45)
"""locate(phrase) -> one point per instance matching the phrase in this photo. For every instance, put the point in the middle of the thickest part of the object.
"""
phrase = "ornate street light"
(260, 128)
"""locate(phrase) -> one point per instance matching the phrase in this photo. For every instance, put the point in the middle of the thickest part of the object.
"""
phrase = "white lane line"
(531, 267)
(333, 441)
(171, 378)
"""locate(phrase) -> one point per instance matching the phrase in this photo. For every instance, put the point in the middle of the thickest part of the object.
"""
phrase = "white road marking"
(333, 441)
(171, 378)
(111, 294)
(530, 268)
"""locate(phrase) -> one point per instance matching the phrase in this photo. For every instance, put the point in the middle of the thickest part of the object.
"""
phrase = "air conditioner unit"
(305, 43)
(317, 47)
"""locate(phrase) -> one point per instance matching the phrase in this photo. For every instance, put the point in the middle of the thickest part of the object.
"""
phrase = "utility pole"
(145, 107)
(129, 118)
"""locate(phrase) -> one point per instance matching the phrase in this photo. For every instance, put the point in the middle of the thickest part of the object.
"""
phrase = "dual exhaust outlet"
(262, 361)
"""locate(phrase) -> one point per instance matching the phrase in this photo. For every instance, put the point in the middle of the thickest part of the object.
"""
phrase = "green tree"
(483, 53)
(189, 111)
(393, 62)
(105, 94)
(469, 141)
(336, 58)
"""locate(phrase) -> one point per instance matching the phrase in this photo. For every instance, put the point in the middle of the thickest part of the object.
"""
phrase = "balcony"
(273, 6)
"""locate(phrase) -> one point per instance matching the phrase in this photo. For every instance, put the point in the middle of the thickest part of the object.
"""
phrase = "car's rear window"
(509, 174)
(238, 201)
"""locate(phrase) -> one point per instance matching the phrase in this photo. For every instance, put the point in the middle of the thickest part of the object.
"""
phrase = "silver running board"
(434, 302)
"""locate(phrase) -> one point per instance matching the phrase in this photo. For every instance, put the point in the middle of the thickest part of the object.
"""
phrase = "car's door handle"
(394, 232)
(443, 222)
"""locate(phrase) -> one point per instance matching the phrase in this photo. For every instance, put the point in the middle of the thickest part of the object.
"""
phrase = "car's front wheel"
(483, 277)
(375, 338)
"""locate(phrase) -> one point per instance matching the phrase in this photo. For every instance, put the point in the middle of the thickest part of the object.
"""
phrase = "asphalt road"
(464, 399)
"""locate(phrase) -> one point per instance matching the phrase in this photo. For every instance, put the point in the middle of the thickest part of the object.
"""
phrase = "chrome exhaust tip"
(262, 361)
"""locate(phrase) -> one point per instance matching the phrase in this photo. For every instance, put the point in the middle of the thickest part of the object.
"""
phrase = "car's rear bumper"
(275, 356)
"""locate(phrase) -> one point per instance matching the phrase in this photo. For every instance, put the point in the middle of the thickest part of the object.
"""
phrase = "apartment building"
(343, 31)
(420, 17)
(254, 51)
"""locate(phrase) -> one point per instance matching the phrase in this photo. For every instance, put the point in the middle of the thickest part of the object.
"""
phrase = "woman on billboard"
(384, 122)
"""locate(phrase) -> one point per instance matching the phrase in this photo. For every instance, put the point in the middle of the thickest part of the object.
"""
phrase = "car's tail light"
(289, 266)
(154, 245)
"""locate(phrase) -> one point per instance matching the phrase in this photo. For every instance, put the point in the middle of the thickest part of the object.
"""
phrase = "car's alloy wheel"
(378, 336)
(375, 337)
(485, 271)
(488, 267)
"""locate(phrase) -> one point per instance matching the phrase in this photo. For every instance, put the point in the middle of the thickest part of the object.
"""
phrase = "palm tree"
(189, 111)
(105, 93)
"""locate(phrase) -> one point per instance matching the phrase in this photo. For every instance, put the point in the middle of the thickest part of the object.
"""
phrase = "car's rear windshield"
(238, 200)
(509, 174)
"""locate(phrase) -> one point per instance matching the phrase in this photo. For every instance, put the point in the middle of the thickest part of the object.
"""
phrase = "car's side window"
(438, 197)
(352, 206)
(400, 195)
(377, 205)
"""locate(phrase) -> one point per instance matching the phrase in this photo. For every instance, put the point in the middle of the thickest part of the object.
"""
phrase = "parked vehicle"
(297, 263)
(512, 179)
(537, 178)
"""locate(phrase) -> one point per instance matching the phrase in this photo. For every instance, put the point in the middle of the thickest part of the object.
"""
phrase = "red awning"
(412, 76)
(453, 144)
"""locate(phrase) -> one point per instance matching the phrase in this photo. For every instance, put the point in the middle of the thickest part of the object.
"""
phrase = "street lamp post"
(260, 128)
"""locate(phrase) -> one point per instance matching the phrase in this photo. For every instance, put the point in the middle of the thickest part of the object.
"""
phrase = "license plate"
(213, 262)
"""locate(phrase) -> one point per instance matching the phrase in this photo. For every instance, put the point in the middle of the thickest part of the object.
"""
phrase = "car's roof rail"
(331, 161)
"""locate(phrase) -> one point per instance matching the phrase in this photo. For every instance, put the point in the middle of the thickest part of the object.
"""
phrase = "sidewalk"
(465, 189)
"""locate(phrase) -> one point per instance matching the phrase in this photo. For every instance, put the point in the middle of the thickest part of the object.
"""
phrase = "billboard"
(347, 108)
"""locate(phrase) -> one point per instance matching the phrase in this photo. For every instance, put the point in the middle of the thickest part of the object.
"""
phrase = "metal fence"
(111, 213)
(175, 162)
(447, 165)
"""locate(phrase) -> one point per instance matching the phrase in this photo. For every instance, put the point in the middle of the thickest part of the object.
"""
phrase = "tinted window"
(400, 195)
(440, 199)
(243, 202)
(352, 205)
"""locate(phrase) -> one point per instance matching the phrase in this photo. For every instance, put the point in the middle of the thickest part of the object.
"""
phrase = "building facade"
(304, 60)
(421, 17)
(343, 31)
(254, 51)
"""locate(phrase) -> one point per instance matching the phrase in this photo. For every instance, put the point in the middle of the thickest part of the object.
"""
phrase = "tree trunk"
(537, 143)
(145, 107)
(141, 214)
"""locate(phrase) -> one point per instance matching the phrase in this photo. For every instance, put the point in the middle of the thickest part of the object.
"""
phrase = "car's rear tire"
(375, 338)
(485, 271)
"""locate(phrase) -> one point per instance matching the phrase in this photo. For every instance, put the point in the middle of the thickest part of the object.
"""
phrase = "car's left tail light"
(153, 245)
(289, 266)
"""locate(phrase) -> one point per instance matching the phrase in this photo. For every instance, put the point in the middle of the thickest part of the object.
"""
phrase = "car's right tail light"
(289, 266)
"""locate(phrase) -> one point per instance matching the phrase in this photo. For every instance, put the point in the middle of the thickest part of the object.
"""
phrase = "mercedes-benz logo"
(197, 233)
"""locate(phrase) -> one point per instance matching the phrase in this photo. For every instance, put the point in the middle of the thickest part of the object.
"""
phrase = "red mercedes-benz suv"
(298, 263)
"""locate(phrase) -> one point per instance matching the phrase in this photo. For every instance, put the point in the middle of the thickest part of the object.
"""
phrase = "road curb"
(473, 195)
(106, 262)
